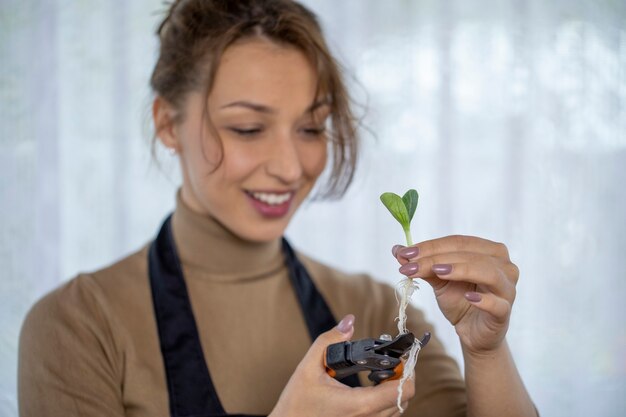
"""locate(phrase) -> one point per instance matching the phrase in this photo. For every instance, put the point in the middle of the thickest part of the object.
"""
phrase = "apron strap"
(191, 390)
(190, 387)
(316, 312)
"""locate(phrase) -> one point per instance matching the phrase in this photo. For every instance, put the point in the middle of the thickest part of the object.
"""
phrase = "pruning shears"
(382, 356)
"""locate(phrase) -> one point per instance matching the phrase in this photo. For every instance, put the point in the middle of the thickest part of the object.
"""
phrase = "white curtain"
(508, 117)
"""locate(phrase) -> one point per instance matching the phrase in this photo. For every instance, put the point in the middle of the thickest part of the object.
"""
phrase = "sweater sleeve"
(67, 357)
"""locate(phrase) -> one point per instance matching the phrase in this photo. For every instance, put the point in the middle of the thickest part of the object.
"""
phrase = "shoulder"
(72, 341)
(64, 319)
(123, 283)
(128, 271)
(89, 300)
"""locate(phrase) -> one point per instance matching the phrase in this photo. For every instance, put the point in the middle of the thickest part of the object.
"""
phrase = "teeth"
(272, 199)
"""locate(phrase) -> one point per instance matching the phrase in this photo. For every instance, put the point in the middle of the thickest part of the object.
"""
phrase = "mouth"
(271, 204)
(271, 198)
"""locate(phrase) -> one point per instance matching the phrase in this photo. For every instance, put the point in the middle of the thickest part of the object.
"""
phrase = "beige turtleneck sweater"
(91, 348)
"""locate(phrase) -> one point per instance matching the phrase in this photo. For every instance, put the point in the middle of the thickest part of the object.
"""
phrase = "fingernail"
(473, 297)
(442, 269)
(346, 323)
(395, 249)
(409, 269)
(410, 252)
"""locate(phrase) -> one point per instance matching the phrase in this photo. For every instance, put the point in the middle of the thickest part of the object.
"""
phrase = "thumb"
(341, 332)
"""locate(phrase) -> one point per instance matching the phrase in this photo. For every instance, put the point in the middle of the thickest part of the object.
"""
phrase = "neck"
(205, 245)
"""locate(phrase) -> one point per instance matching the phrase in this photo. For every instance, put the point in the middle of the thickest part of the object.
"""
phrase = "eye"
(314, 131)
(246, 132)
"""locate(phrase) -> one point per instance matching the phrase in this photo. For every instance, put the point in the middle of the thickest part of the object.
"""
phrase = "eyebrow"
(261, 108)
(249, 105)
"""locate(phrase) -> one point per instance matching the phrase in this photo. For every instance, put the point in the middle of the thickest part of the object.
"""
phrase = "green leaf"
(410, 201)
(397, 207)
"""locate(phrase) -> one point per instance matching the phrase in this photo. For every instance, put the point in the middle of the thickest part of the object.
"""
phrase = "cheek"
(201, 151)
(314, 160)
(239, 162)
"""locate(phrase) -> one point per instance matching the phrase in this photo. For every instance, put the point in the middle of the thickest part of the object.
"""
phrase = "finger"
(477, 269)
(498, 307)
(421, 267)
(395, 249)
(342, 332)
(384, 397)
(395, 252)
(408, 391)
(509, 270)
(403, 253)
(455, 243)
(481, 273)
(395, 412)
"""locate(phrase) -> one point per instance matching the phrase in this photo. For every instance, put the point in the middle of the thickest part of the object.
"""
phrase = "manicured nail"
(409, 269)
(410, 252)
(345, 325)
(442, 269)
(473, 297)
(395, 249)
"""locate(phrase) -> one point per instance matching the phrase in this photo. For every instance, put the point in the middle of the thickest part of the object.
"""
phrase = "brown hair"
(195, 33)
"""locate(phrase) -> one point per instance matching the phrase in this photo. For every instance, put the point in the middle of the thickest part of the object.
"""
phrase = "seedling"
(403, 209)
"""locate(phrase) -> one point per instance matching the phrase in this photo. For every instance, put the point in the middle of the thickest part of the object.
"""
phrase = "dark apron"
(189, 384)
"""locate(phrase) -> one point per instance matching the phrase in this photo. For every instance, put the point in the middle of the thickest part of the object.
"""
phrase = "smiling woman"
(264, 110)
(218, 315)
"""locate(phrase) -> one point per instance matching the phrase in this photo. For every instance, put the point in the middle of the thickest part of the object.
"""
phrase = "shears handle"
(381, 357)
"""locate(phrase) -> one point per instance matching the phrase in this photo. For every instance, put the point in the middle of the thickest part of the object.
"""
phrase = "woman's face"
(271, 126)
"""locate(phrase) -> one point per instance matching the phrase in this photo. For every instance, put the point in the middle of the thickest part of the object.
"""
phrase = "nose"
(284, 159)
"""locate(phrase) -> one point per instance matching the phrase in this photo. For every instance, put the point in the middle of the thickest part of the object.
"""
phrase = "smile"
(273, 199)
(272, 205)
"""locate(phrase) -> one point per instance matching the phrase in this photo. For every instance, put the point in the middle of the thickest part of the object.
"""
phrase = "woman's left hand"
(474, 283)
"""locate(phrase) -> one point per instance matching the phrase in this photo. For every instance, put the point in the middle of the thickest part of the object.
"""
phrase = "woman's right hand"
(312, 392)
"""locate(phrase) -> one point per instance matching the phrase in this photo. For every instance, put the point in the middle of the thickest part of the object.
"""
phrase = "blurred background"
(509, 118)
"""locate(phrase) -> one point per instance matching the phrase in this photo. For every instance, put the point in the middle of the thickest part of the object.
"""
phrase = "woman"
(218, 316)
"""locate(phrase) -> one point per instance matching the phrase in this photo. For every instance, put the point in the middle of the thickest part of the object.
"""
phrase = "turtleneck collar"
(207, 247)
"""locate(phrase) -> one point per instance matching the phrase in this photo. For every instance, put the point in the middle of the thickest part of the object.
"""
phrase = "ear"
(164, 117)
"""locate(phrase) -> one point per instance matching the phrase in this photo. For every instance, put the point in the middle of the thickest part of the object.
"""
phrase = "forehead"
(263, 71)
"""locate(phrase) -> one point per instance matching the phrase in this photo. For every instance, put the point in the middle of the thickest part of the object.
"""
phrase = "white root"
(409, 371)
(406, 288)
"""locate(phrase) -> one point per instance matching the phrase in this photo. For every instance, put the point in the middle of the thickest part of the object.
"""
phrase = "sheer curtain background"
(508, 117)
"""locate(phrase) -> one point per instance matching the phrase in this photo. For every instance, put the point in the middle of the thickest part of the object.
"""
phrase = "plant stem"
(407, 233)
